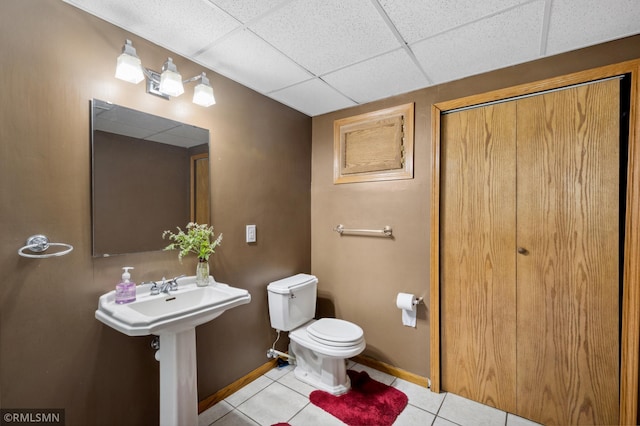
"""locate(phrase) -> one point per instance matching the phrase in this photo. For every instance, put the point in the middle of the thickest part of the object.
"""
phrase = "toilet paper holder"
(417, 301)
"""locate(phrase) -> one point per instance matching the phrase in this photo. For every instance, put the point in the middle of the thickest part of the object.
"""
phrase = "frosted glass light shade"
(129, 68)
(171, 83)
(167, 84)
(203, 95)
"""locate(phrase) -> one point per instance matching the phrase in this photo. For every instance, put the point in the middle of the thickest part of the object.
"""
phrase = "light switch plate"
(251, 234)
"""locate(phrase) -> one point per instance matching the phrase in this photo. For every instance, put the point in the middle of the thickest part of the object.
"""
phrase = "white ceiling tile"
(593, 22)
(246, 10)
(417, 20)
(378, 78)
(313, 97)
(506, 39)
(324, 35)
(170, 24)
(240, 55)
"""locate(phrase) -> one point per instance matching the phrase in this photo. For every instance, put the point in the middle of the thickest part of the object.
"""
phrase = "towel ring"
(39, 243)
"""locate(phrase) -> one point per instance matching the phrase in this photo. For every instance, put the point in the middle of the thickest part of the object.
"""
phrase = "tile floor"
(278, 396)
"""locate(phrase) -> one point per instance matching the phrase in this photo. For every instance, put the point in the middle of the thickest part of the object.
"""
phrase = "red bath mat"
(368, 402)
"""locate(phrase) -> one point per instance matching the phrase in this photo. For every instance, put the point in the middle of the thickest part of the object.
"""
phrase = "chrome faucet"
(166, 286)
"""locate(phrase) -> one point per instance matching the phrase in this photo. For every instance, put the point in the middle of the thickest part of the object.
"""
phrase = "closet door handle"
(523, 251)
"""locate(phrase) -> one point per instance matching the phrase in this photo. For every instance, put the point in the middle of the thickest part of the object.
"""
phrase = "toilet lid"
(335, 332)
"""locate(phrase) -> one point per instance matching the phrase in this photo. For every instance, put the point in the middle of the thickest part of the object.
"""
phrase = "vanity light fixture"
(165, 84)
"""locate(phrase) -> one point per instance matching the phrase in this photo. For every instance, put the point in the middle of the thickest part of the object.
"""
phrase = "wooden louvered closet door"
(530, 255)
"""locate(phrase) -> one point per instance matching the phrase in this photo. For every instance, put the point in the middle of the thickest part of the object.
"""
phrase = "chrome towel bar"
(385, 232)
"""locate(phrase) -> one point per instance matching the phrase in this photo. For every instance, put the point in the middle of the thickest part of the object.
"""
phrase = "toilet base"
(326, 373)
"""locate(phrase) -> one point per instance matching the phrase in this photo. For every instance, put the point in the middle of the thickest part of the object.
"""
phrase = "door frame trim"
(630, 304)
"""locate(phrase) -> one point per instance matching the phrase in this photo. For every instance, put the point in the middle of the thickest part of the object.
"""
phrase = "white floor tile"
(214, 413)
(274, 404)
(420, 397)
(235, 418)
(466, 412)
(312, 415)
(513, 420)
(291, 381)
(276, 373)
(248, 391)
(439, 421)
(412, 416)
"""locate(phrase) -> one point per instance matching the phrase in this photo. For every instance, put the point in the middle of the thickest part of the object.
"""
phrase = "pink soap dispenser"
(126, 290)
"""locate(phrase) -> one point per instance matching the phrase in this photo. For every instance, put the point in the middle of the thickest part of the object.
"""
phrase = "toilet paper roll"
(404, 301)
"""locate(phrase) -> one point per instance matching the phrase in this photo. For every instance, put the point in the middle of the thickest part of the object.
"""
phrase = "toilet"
(320, 347)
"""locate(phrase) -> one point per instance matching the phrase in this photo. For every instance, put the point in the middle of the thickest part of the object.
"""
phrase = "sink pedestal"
(178, 378)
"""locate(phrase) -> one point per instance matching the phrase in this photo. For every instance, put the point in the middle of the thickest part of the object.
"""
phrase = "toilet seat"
(327, 347)
(335, 332)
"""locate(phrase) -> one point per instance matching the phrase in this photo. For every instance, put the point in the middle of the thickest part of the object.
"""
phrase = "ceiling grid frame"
(257, 44)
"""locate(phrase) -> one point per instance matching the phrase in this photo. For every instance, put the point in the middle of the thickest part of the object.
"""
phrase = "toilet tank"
(292, 301)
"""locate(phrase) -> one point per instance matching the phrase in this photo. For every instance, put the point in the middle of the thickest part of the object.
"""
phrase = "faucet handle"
(155, 289)
(173, 283)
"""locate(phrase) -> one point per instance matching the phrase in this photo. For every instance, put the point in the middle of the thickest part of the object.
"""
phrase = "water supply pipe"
(273, 353)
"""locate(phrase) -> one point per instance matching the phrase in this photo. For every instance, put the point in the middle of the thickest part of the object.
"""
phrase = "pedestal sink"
(173, 317)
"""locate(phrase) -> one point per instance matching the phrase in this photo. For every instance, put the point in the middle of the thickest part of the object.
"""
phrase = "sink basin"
(179, 310)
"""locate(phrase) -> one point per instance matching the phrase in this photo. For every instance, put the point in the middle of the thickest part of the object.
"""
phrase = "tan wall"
(54, 58)
(360, 276)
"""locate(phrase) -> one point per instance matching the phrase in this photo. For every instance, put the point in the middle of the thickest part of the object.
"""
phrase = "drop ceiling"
(318, 56)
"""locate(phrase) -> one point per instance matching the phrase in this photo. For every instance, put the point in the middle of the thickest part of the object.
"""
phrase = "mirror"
(149, 174)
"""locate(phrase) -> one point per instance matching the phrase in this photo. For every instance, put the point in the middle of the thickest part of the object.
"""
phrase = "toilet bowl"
(319, 347)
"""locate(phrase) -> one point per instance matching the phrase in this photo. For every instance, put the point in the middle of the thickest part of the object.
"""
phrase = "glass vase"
(202, 273)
